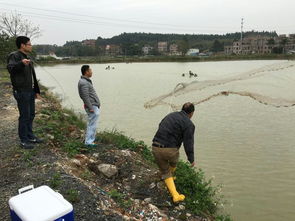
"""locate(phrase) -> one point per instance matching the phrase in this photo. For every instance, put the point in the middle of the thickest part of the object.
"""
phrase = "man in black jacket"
(174, 129)
(25, 90)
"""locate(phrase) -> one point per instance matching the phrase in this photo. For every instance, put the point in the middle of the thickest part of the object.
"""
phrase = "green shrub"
(202, 198)
(73, 147)
(55, 181)
(72, 195)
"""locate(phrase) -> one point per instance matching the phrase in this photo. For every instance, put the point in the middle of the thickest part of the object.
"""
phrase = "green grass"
(55, 181)
(72, 195)
(63, 125)
(202, 198)
(28, 156)
(4, 75)
(122, 141)
(73, 147)
(87, 175)
(120, 198)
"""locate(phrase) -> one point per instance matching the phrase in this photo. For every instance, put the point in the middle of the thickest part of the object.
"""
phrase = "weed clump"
(202, 198)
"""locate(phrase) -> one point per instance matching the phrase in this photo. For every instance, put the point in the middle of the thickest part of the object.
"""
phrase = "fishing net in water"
(269, 85)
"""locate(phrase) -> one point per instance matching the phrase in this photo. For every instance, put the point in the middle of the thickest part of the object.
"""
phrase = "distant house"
(50, 55)
(113, 50)
(147, 49)
(261, 45)
(251, 45)
(228, 49)
(162, 46)
(173, 49)
(90, 42)
(193, 52)
(290, 45)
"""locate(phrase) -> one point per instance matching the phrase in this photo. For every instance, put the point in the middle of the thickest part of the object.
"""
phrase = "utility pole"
(242, 23)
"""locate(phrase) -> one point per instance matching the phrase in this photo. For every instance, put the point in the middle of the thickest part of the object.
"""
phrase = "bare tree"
(14, 24)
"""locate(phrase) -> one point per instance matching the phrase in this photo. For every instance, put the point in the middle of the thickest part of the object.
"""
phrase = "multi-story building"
(228, 49)
(162, 46)
(113, 50)
(288, 43)
(90, 42)
(251, 45)
(173, 49)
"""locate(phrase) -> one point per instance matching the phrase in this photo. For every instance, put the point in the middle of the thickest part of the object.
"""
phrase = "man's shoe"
(36, 140)
(26, 145)
(91, 145)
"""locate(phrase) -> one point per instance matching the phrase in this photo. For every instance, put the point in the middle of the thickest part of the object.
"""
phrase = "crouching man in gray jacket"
(91, 104)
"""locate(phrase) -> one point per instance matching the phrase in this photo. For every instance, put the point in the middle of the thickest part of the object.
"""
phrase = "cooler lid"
(40, 204)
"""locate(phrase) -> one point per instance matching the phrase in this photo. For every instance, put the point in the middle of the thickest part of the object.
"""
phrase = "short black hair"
(188, 107)
(21, 40)
(84, 68)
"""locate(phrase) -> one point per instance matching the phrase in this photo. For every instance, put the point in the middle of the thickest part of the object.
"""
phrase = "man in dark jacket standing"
(91, 104)
(25, 90)
(174, 129)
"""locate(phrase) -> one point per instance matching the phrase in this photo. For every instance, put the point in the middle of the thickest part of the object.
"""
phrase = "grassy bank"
(202, 197)
(64, 130)
(122, 59)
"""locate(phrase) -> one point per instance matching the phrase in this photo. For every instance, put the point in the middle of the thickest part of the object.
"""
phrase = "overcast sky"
(67, 20)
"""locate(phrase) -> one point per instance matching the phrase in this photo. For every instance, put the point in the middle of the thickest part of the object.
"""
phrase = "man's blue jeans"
(26, 107)
(92, 124)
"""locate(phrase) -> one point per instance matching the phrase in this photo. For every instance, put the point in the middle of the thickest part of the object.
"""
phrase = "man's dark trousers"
(26, 107)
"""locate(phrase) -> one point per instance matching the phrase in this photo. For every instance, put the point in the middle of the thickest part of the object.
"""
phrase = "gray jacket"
(87, 93)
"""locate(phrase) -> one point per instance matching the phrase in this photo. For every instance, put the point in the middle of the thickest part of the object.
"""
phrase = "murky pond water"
(248, 147)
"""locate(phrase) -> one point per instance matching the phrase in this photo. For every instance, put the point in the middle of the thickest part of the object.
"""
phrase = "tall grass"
(122, 141)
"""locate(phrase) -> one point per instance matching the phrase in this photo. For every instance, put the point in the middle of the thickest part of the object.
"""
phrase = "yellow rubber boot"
(172, 189)
(172, 169)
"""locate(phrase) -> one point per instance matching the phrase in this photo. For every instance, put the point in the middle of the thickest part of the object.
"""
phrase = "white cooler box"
(40, 204)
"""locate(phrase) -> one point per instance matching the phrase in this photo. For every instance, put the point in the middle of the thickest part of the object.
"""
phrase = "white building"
(147, 49)
(193, 52)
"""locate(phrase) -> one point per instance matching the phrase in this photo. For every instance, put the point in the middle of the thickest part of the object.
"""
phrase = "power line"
(67, 19)
(83, 15)
(140, 23)
(91, 22)
(108, 20)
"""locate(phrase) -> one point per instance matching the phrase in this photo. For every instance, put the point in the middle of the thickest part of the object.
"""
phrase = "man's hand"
(38, 96)
(91, 110)
(193, 164)
(26, 61)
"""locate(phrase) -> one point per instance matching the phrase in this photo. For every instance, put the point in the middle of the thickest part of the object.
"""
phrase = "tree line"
(131, 43)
